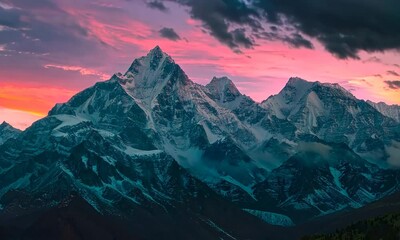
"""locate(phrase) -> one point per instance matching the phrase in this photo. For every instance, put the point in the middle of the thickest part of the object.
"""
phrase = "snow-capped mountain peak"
(298, 82)
(153, 60)
(330, 112)
(298, 92)
(223, 89)
(157, 51)
(283, 103)
(147, 76)
(303, 86)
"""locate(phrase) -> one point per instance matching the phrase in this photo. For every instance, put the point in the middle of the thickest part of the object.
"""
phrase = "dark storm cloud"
(218, 16)
(169, 33)
(239, 36)
(297, 40)
(157, 5)
(393, 84)
(344, 27)
(294, 39)
(393, 73)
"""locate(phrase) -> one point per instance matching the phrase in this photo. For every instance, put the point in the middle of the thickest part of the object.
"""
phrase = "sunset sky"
(52, 49)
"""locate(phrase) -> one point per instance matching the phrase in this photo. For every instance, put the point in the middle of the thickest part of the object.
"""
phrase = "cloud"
(155, 4)
(10, 18)
(373, 59)
(294, 39)
(314, 147)
(81, 70)
(344, 27)
(5, 6)
(393, 84)
(219, 16)
(393, 73)
(239, 36)
(394, 154)
(169, 33)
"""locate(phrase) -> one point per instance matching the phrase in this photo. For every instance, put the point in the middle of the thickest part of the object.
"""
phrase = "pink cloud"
(81, 70)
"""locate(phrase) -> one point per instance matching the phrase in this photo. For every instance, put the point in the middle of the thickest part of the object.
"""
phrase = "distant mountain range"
(392, 111)
(153, 155)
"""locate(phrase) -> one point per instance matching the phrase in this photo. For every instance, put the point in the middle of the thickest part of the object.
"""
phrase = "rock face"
(331, 113)
(7, 132)
(152, 142)
(323, 178)
(392, 111)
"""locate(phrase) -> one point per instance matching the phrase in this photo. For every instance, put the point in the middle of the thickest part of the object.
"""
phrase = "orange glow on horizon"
(32, 100)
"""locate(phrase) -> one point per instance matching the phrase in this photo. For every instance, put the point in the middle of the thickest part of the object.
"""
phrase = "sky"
(52, 49)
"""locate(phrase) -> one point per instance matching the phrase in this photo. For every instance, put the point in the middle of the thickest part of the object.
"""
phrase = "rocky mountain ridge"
(7, 132)
(151, 139)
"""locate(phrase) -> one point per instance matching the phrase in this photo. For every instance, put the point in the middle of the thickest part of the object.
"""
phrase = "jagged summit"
(328, 111)
(297, 88)
(297, 80)
(221, 81)
(383, 103)
(392, 111)
(156, 54)
(7, 131)
(5, 124)
(153, 60)
(302, 83)
(298, 92)
(157, 51)
(223, 89)
(148, 75)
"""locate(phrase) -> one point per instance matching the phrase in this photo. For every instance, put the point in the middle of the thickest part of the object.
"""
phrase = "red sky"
(55, 48)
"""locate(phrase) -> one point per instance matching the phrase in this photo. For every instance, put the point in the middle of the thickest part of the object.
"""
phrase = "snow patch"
(137, 152)
(336, 179)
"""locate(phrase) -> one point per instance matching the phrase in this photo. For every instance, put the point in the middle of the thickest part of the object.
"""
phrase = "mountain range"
(392, 111)
(150, 151)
